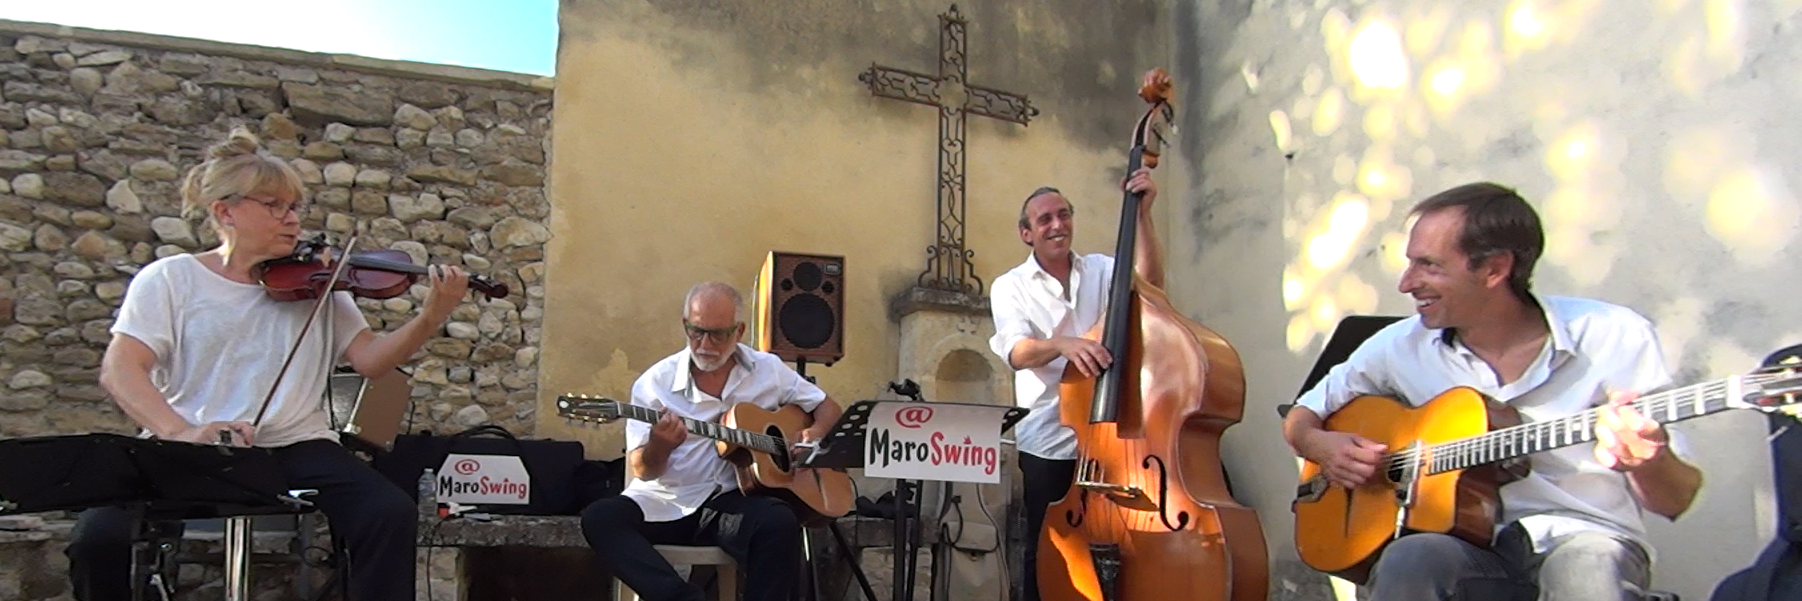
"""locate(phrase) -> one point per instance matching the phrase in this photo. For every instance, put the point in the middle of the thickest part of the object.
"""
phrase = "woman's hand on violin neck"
(449, 285)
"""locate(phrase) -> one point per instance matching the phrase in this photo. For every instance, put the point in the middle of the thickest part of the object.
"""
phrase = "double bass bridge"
(1130, 497)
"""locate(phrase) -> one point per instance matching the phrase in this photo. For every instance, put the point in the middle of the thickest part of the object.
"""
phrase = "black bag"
(1777, 573)
(552, 464)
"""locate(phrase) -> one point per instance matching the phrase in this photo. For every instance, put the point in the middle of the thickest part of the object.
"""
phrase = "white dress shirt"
(696, 472)
(1027, 302)
(1594, 348)
(220, 344)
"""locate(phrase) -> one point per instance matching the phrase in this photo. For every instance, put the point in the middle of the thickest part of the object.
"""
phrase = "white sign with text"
(484, 480)
(934, 441)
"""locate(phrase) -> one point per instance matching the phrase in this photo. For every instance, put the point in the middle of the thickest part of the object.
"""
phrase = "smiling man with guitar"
(683, 490)
(1482, 353)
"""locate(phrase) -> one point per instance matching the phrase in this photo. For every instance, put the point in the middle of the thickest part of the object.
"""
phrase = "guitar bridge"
(1131, 497)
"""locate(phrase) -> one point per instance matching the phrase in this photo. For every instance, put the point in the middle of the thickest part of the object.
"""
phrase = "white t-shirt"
(696, 471)
(219, 345)
(1028, 302)
(1594, 348)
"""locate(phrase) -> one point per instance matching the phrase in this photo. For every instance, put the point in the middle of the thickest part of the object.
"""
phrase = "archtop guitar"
(752, 438)
(1450, 457)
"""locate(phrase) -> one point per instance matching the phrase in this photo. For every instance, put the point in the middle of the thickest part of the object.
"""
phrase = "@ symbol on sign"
(913, 417)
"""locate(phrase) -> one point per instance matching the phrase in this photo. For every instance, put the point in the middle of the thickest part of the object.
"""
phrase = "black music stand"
(153, 480)
(1347, 337)
(843, 448)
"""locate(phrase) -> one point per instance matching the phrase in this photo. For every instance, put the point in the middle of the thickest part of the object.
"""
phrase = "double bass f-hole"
(1163, 505)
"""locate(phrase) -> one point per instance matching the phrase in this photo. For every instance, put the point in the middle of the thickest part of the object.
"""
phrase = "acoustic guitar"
(752, 438)
(1450, 457)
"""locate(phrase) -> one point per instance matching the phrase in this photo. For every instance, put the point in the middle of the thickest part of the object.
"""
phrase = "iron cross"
(948, 265)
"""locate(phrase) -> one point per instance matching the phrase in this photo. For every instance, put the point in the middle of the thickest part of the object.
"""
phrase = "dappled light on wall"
(1405, 99)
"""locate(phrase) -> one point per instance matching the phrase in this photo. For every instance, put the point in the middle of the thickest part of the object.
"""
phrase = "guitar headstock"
(1773, 389)
(598, 409)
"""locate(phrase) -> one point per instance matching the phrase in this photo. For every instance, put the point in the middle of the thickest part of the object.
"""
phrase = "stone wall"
(96, 129)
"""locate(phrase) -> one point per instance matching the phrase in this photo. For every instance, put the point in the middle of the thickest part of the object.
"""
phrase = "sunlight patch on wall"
(1753, 212)
(1279, 126)
(1527, 29)
(1697, 158)
(1395, 253)
(1317, 288)
(1312, 79)
(1379, 122)
(1328, 250)
(1472, 70)
(1329, 112)
(1749, 208)
(1378, 64)
(1585, 204)
(1425, 31)
(1704, 58)
(1383, 181)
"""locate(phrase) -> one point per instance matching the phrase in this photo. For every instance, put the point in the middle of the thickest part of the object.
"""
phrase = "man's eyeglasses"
(277, 209)
(718, 336)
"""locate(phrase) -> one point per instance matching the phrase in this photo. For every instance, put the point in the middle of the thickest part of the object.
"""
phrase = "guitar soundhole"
(1394, 474)
(780, 459)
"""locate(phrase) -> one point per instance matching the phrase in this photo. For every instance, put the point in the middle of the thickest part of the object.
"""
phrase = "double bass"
(1149, 515)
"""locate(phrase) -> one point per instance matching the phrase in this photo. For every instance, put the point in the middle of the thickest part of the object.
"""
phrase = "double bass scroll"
(1149, 516)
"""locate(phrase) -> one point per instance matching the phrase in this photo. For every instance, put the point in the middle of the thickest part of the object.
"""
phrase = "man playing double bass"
(1572, 529)
(1041, 310)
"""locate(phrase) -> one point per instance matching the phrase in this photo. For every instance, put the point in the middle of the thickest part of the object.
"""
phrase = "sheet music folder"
(169, 479)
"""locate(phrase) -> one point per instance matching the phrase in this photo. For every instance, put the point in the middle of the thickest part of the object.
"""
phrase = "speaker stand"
(844, 546)
(801, 368)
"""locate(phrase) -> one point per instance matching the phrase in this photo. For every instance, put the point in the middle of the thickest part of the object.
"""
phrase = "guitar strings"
(1473, 450)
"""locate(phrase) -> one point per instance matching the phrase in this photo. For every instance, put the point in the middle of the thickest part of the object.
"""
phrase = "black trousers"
(376, 521)
(1043, 481)
(761, 533)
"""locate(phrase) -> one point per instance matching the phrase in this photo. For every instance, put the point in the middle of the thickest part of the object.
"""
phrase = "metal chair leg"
(237, 558)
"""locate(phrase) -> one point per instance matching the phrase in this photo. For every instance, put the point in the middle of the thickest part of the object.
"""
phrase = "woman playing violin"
(199, 345)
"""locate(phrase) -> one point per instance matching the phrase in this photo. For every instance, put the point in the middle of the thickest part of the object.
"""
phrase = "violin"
(311, 273)
(376, 274)
(1149, 515)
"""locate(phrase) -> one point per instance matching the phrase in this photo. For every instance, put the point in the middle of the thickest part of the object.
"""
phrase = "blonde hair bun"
(239, 143)
(233, 168)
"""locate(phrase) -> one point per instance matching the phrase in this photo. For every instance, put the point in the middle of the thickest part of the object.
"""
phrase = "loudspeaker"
(799, 307)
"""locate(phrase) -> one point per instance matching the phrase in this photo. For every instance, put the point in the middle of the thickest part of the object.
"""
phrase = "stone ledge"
(566, 531)
(349, 62)
(28, 536)
(918, 298)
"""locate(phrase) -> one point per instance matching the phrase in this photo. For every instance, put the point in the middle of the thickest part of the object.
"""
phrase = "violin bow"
(337, 272)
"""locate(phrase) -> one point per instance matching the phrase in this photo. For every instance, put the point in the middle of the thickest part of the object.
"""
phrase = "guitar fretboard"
(744, 438)
(1525, 439)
